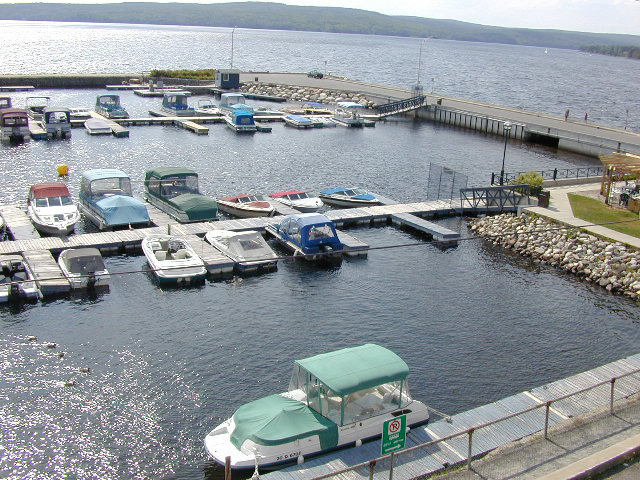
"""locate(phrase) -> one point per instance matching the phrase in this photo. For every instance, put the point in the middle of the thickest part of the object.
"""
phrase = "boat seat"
(181, 254)
(164, 244)
(161, 255)
(155, 246)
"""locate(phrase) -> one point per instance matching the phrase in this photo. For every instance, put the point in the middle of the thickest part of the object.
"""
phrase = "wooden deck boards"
(113, 241)
(18, 222)
(46, 272)
(215, 261)
(451, 452)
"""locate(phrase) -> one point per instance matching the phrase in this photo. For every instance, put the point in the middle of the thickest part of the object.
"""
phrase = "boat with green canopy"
(335, 399)
(174, 190)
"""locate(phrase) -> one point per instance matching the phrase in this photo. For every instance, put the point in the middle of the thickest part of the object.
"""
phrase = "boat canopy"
(100, 173)
(314, 104)
(163, 172)
(176, 100)
(52, 189)
(5, 101)
(84, 260)
(56, 115)
(123, 210)
(242, 243)
(195, 205)
(349, 105)
(14, 117)
(276, 420)
(351, 369)
(228, 99)
(284, 194)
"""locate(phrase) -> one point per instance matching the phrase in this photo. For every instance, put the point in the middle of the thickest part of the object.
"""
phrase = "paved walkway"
(560, 210)
(569, 452)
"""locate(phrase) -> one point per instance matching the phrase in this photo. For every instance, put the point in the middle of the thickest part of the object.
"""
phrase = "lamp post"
(233, 30)
(506, 127)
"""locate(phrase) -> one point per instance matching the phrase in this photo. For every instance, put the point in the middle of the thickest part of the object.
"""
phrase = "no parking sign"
(394, 434)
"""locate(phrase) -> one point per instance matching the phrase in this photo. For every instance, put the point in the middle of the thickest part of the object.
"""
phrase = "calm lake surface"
(475, 323)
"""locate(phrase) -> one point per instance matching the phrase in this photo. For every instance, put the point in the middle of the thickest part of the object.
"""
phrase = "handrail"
(555, 174)
(401, 104)
(469, 431)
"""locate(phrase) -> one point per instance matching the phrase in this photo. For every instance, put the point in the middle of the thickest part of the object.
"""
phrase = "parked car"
(315, 74)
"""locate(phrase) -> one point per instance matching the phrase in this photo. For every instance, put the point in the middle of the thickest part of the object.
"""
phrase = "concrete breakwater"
(611, 265)
(306, 94)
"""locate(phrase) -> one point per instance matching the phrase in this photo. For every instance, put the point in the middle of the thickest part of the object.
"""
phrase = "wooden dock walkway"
(437, 232)
(192, 126)
(116, 129)
(18, 223)
(216, 262)
(46, 272)
(121, 240)
(520, 418)
(36, 131)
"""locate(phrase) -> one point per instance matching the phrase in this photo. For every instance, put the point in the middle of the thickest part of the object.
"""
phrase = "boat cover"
(52, 189)
(84, 260)
(341, 191)
(123, 210)
(162, 172)
(276, 420)
(284, 194)
(351, 369)
(99, 173)
(196, 206)
(349, 105)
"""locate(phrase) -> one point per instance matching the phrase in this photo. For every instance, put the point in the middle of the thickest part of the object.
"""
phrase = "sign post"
(394, 435)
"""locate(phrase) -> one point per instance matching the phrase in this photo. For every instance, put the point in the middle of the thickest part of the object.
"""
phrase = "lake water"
(475, 323)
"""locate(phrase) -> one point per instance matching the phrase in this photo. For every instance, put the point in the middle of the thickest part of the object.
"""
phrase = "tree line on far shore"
(615, 50)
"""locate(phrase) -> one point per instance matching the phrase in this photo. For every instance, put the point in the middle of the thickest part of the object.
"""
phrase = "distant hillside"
(318, 19)
(615, 50)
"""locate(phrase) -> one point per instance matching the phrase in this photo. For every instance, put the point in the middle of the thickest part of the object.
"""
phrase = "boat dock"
(116, 129)
(46, 272)
(16, 88)
(27, 240)
(437, 232)
(192, 126)
(458, 439)
(36, 131)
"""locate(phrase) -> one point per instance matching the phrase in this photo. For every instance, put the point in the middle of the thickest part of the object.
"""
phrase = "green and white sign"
(394, 434)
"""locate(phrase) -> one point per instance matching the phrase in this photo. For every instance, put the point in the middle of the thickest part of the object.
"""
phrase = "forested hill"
(318, 19)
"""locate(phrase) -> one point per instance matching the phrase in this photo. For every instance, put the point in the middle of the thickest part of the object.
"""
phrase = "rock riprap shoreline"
(305, 94)
(611, 265)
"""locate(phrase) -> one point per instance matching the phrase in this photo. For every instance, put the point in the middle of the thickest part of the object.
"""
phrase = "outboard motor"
(91, 281)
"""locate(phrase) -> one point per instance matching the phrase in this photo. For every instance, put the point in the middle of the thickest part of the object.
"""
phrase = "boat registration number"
(288, 455)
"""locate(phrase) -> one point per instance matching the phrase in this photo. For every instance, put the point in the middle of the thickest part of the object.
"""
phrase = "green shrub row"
(205, 74)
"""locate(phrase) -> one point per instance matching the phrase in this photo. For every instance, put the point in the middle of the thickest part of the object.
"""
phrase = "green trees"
(615, 50)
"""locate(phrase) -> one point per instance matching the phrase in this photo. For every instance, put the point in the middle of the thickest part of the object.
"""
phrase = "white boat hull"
(173, 270)
(64, 227)
(218, 442)
(241, 211)
(345, 202)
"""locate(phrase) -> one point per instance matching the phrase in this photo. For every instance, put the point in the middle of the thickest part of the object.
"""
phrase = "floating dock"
(216, 262)
(36, 130)
(518, 418)
(116, 129)
(192, 126)
(18, 223)
(437, 232)
(46, 272)
(16, 88)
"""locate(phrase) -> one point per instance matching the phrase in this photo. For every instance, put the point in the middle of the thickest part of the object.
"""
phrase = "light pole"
(506, 127)
(626, 119)
(233, 30)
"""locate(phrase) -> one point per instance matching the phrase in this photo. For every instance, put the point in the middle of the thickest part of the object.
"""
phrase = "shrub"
(206, 74)
(533, 179)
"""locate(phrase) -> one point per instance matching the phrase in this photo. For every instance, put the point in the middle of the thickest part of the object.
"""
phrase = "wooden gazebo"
(616, 166)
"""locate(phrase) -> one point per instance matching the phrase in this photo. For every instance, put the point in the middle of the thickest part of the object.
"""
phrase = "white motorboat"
(348, 197)
(97, 126)
(334, 400)
(51, 209)
(207, 107)
(16, 280)
(14, 125)
(298, 121)
(248, 249)
(303, 201)
(347, 114)
(84, 268)
(173, 259)
(246, 206)
(241, 121)
(79, 113)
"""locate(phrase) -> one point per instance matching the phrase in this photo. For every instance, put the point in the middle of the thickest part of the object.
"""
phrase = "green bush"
(534, 179)
(205, 74)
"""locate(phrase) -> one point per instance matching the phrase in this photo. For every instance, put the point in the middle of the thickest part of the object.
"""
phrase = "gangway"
(401, 106)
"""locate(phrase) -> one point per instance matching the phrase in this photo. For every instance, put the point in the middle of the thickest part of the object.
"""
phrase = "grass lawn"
(594, 211)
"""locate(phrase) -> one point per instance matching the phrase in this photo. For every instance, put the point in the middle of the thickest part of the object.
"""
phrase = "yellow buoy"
(63, 170)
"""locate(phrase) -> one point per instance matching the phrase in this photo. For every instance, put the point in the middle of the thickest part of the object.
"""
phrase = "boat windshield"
(173, 186)
(54, 201)
(15, 122)
(316, 232)
(106, 187)
(247, 199)
(85, 265)
(354, 407)
(250, 244)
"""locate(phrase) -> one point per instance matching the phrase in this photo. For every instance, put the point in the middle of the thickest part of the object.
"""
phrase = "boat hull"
(344, 202)
(333, 257)
(245, 212)
(27, 290)
(174, 271)
(218, 442)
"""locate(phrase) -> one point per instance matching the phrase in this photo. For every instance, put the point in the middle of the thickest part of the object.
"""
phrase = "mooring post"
(227, 468)
(613, 386)
(469, 450)
(546, 420)
(372, 469)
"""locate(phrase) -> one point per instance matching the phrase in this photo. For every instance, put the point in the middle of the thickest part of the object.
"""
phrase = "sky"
(602, 16)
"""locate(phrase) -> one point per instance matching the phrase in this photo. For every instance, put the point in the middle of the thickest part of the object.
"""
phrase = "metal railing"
(555, 174)
(390, 108)
(371, 464)
(499, 198)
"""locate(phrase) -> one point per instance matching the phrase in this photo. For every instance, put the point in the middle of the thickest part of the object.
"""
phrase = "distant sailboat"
(546, 50)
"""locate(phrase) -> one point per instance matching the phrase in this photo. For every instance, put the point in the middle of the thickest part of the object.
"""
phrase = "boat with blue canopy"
(57, 122)
(334, 400)
(105, 198)
(348, 114)
(313, 235)
(298, 121)
(230, 102)
(174, 190)
(241, 121)
(176, 103)
(108, 105)
(348, 197)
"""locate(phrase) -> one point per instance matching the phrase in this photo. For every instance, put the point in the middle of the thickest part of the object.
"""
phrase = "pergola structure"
(617, 165)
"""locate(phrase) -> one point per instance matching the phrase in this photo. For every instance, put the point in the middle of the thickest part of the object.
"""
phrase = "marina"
(154, 369)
